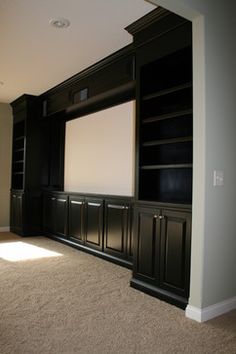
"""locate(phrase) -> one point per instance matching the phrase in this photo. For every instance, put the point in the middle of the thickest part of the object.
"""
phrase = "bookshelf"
(18, 156)
(166, 129)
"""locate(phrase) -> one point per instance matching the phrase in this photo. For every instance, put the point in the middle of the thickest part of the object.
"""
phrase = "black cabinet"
(49, 213)
(164, 155)
(117, 240)
(175, 252)
(16, 214)
(60, 225)
(86, 221)
(26, 166)
(55, 214)
(94, 223)
(162, 253)
(147, 244)
(76, 218)
(98, 224)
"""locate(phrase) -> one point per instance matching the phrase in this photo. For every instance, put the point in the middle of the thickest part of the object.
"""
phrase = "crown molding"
(147, 20)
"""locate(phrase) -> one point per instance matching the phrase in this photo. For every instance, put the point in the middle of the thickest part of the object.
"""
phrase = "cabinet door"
(175, 252)
(76, 217)
(13, 212)
(130, 243)
(61, 215)
(117, 214)
(17, 213)
(49, 206)
(94, 223)
(146, 244)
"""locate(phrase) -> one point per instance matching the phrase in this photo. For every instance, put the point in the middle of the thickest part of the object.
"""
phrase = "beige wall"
(5, 163)
(99, 152)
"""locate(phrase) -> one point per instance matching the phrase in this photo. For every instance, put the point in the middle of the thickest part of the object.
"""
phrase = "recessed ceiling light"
(59, 22)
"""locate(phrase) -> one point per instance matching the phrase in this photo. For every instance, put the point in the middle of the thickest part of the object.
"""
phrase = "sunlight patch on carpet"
(22, 251)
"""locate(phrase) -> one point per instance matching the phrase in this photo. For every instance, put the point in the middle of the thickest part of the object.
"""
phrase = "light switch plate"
(218, 178)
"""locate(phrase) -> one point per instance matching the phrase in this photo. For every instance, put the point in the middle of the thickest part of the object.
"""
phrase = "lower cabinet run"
(155, 239)
(97, 224)
(162, 253)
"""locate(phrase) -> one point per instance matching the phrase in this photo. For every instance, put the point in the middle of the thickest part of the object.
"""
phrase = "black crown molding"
(147, 20)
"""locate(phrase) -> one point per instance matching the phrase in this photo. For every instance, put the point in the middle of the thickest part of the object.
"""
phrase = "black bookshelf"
(18, 155)
(166, 129)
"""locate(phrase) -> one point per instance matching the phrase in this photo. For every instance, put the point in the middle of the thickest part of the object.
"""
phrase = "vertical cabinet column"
(26, 167)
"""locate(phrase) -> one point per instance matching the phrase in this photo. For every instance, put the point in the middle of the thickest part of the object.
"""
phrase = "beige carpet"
(77, 303)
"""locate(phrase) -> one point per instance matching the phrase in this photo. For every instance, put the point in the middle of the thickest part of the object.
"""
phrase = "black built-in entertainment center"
(151, 231)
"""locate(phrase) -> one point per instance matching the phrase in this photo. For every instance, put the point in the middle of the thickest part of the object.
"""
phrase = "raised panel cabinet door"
(116, 228)
(61, 216)
(16, 213)
(49, 213)
(175, 252)
(13, 212)
(76, 218)
(146, 244)
(94, 223)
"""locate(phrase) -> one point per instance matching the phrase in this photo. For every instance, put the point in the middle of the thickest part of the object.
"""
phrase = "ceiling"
(36, 56)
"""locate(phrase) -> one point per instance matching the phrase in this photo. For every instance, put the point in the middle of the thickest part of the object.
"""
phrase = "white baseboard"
(207, 313)
(5, 229)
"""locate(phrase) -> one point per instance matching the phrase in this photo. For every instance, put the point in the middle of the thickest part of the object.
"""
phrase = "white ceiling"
(34, 56)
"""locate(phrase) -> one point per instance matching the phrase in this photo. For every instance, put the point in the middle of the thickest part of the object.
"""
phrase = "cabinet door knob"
(156, 216)
(161, 217)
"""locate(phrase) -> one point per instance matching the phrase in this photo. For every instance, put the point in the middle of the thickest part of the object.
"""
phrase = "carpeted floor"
(77, 303)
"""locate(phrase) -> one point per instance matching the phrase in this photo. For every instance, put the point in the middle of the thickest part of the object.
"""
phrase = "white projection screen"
(99, 152)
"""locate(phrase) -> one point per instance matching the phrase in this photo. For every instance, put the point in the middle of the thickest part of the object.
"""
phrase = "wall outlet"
(218, 178)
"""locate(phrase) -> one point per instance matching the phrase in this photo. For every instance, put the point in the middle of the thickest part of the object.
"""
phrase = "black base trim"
(161, 294)
(107, 257)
